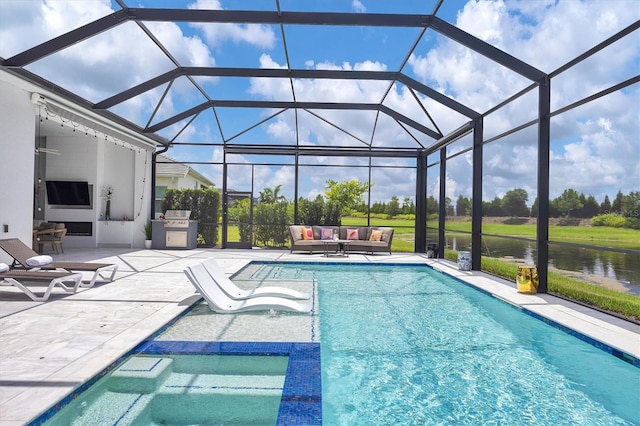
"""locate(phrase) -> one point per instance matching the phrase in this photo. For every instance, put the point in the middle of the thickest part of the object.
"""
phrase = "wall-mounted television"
(68, 193)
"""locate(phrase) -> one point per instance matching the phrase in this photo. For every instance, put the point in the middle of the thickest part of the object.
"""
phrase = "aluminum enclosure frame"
(539, 80)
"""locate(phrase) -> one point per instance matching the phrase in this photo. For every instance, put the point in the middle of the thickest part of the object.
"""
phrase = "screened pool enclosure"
(507, 139)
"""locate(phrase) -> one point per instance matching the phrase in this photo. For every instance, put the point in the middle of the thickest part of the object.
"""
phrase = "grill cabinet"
(175, 231)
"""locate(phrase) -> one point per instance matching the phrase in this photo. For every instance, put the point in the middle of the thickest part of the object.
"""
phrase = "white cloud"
(25, 24)
(483, 19)
(108, 63)
(358, 6)
(188, 50)
(603, 150)
(594, 145)
(281, 130)
(216, 33)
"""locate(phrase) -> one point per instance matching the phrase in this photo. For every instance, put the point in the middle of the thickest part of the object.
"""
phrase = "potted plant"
(107, 195)
(147, 234)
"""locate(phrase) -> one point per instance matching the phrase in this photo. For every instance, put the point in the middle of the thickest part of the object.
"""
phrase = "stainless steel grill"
(177, 218)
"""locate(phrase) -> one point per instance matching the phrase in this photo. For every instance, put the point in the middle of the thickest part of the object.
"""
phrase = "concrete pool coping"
(48, 349)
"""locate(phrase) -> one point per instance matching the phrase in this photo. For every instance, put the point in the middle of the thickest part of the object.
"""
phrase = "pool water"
(400, 345)
(409, 345)
(182, 389)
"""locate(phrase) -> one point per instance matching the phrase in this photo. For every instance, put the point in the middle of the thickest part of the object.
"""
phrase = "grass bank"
(623, 304)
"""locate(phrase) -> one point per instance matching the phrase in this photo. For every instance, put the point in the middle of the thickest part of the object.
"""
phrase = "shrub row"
(204, 205)
(615, 220)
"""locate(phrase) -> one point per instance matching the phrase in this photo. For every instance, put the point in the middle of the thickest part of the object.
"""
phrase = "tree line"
(622, 212)
(273, 213)
(568, 204)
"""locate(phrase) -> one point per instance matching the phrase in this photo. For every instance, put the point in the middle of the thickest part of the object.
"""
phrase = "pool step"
(231, 364)
(272, 272)
(144, 374)
(210, 409)
(184, 390)
(140, 375)
(110, 408)
(214, 399)
(183, 383)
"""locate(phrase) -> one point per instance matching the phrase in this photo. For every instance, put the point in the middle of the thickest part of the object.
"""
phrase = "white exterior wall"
(83, 158)
(17, 144)
(186, 182)
(77, 161)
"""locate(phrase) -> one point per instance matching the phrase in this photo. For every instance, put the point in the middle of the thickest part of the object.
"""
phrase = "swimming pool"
(409, 345)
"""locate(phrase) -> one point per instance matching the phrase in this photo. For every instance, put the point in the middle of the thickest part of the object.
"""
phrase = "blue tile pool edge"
(301, 400)
(53, 410)
(624, 356)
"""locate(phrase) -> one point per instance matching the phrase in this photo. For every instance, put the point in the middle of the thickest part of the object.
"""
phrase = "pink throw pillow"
(352, 234)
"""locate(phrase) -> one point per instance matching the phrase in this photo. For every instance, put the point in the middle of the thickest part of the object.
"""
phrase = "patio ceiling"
(211, 93)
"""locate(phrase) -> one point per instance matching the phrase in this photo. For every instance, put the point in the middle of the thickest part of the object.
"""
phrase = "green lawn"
(617, 237)
(403, 236)
(597, 235)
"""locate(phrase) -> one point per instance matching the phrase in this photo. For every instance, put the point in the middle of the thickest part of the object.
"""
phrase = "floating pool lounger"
(220, 302)
(236, 293)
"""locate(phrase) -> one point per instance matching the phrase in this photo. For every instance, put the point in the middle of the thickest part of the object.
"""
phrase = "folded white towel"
(4, 267)
(40, 260)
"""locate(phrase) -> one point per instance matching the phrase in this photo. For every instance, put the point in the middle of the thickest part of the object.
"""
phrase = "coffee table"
(343, 245)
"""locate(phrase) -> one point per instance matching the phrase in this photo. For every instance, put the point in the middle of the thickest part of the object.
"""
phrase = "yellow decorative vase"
(527, 279)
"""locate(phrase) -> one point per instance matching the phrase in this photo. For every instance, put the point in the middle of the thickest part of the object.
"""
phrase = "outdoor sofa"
(363, 243)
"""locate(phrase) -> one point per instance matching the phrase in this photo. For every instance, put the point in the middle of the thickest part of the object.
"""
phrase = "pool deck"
(47, 349)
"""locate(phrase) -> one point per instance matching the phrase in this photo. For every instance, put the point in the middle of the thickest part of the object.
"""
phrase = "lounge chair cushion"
(3, 267)
(21, 253)
(40, 260)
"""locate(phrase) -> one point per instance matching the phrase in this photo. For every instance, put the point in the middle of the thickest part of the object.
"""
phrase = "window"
(160, 193)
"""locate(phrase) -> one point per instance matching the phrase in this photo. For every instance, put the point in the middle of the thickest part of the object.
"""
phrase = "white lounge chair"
(17, 278)
(220, 302)
(236, 293)
(22, 253)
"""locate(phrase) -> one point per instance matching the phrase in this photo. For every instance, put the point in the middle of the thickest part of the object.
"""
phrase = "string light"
(74, 125)
(144, 180)
(107, 138)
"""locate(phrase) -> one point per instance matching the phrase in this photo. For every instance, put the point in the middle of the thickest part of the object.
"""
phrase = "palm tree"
(269, 195)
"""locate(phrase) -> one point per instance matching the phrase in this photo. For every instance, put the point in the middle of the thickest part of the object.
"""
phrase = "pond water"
(624, 268)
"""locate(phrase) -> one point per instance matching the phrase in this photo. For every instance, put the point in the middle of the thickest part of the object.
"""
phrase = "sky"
(595, 147)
